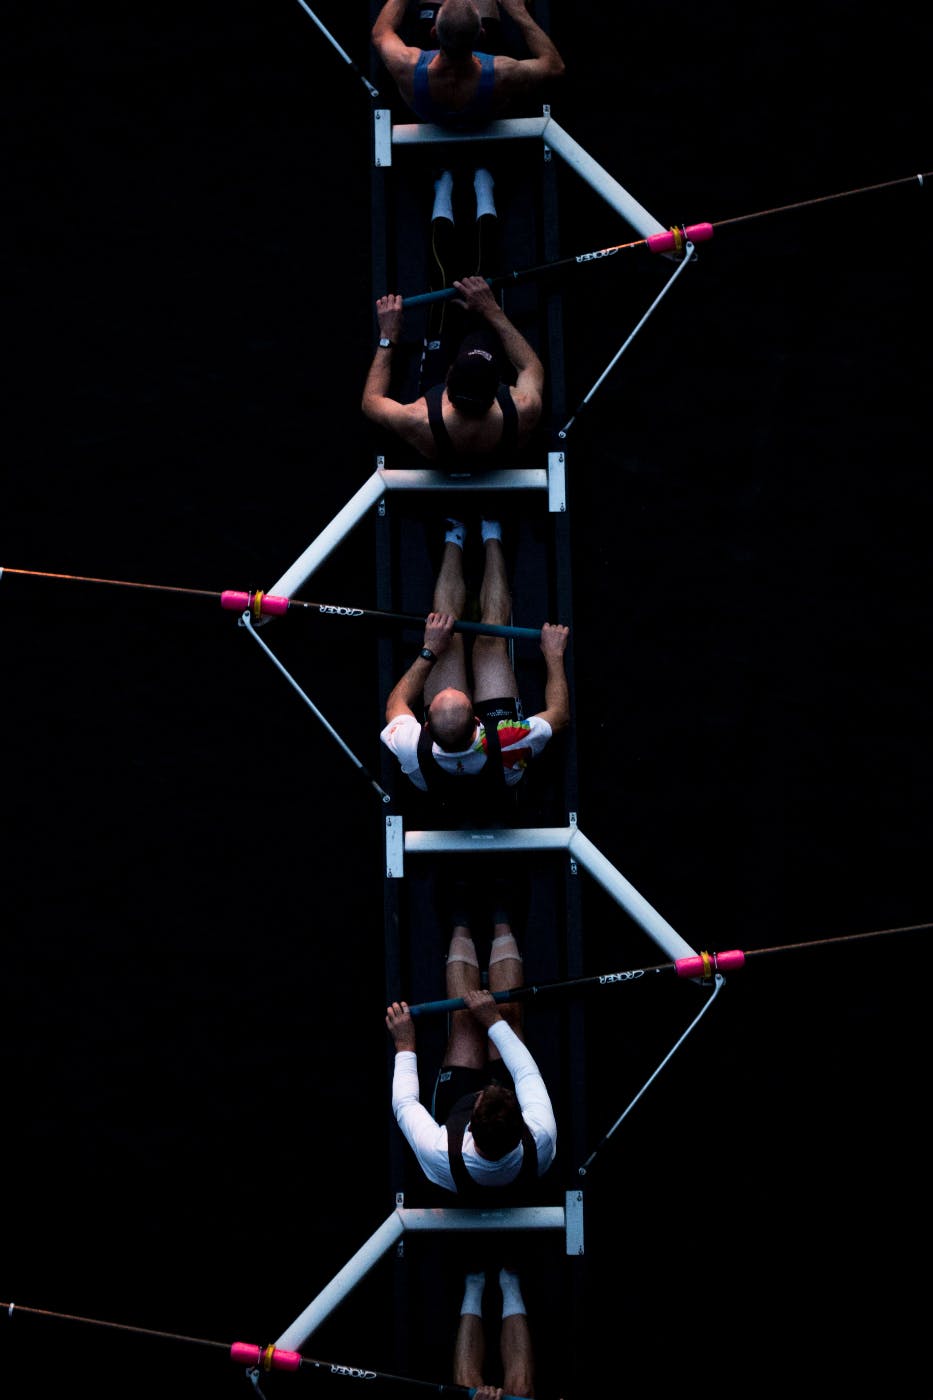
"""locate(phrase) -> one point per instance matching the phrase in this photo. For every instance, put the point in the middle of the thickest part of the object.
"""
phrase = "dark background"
(193, 1041)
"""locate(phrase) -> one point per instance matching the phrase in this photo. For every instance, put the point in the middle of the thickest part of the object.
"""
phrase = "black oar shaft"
(531, 990)
(519, 274)
(488, 629)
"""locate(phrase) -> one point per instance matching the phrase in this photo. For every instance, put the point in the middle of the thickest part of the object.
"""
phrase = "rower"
(459, 75)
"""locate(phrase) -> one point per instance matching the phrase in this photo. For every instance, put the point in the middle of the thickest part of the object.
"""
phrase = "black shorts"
(492, 711)
(456, 1082)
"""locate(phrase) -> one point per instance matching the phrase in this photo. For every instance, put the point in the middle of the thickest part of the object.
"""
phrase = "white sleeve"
(400, 737)
(426, 1138)
(533, 1098)
(540, 732)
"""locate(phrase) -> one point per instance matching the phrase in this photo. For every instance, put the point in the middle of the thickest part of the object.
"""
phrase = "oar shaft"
(485, 629)
(269, 604)
(526, 993)
(444, 293)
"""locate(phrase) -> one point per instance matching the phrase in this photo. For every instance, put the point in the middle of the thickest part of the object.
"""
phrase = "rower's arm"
(529, 370)
(545, 62)
(376, 401)
(397, 56)
(556, 710)
(386, 412)
(404, 694)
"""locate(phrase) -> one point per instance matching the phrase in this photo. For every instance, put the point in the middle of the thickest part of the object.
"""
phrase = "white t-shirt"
(428, 1138)
(519, 740)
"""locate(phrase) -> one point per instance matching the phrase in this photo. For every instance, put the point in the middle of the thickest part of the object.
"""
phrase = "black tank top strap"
(434, 776)
(445, 448)
(509, 437)
(439, 782)
(456, 1126)
(493, 765)
(446, 452)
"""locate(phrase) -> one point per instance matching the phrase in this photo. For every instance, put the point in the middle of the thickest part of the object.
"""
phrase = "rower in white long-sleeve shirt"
(491, 1122)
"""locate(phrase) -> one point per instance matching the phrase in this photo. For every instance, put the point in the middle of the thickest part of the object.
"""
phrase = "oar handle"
(493, 629)
(426, 1008)
(424, 298)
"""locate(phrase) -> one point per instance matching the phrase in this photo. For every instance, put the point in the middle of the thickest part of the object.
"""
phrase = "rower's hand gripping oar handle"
(427, 1008)
(425, 298)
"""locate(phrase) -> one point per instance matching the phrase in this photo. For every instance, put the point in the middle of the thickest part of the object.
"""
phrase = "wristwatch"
(427, 654)
(385, 343)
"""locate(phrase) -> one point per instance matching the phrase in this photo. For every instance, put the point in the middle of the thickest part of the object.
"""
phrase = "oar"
(260, 604)
(672, 241)
(269, 1358)
(703, 965)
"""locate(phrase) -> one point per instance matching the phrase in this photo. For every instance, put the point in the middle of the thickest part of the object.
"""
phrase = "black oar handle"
(606, 979)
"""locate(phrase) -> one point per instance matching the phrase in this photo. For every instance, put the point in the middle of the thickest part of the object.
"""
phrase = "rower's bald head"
(458, 26)
(451, 721)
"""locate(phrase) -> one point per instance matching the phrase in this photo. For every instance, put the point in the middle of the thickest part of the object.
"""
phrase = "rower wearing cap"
(473, 412)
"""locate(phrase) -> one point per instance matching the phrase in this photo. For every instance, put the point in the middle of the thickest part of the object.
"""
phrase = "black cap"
(472, 382)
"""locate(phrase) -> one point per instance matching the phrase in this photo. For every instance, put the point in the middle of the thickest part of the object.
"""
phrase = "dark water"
(192, 899)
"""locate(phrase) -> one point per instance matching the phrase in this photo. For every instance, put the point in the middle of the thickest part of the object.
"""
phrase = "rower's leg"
(517, 1353)
(470, 1349)
(493, 674)
(467, 1043)
(487, 224)
(450, 597)
(506, 971)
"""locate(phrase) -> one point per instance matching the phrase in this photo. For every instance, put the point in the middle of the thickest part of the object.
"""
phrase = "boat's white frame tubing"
(427, 479)
(569, 838)
(327, 541)
(343, 1283)
(391, 1230)
(521, 128)
(415, 479)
